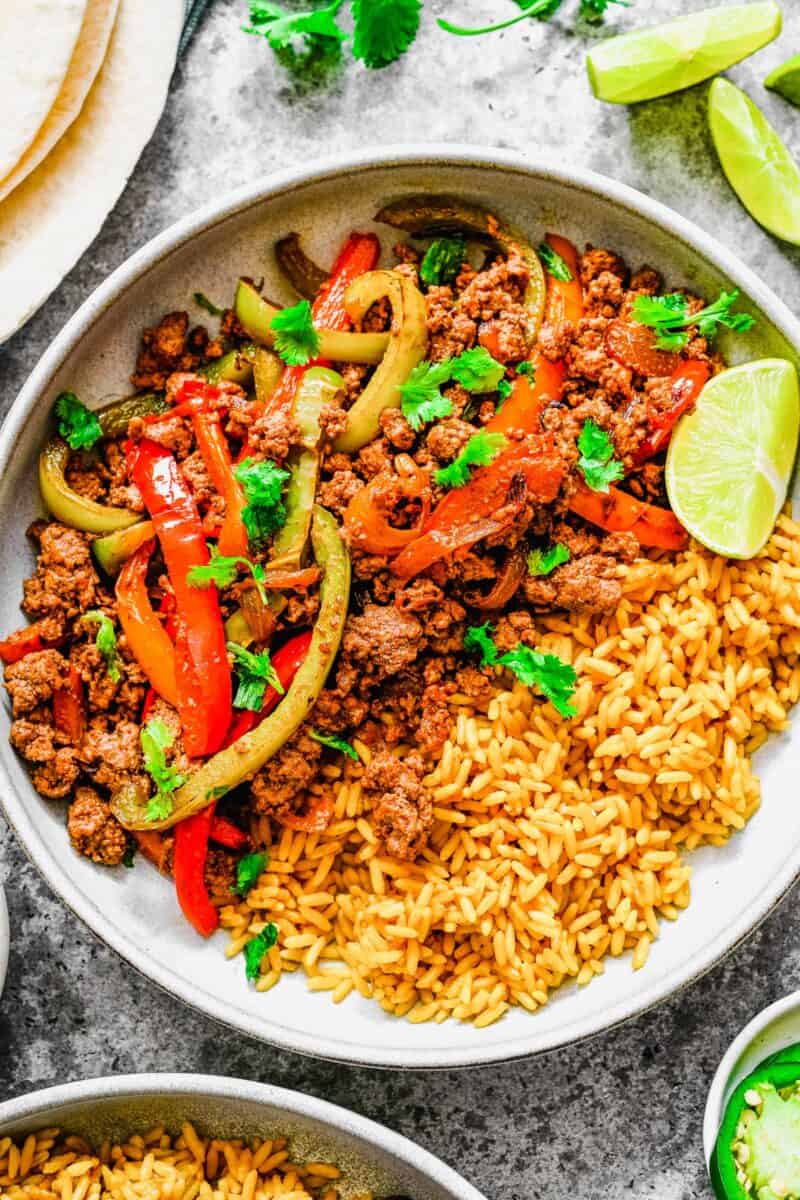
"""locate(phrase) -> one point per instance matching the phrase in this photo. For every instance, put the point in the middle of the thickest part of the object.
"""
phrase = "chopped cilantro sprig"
(223, 570)
(202, 301)
(155, 739)
(544, 562)
(597, 463)
(334, 743)
(443, 260)
(421, 399)
(481, 449)
(106, 641)
(545, 673)
(296, 339)
(78, 425)
(670, 317)
(541, 9)
(265, 512)
(384, 29)
(476, 370)
(257, 948)
(248, 870)
(554, 264)
(254, 673)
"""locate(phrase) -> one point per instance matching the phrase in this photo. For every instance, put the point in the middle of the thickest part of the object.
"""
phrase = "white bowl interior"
(371, 1157)
(135, 910)
(771, 1030)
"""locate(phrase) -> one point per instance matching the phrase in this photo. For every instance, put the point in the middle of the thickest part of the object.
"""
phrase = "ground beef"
(94, 831)
(332, 421)
(555, 339)
(286, 775)
(126, 694)
(375, 459)
(220, 872)
(435, 718)
(402, 811)
(112, 757)
(32, 681)
(195, 472)
(604, 296)
(583, 585)
(173, 433)
(354, 376)
(506, 337)
(595, 262)
(85, 477)
(382, 641)
(450, 330)
(446, 439)
(122, 493)
(335, 711)
(169, 347)
(419, 595)
(396, 429)
(58, 776)
(272, 436)
(475, 684)
(65, 583)
(337, 492)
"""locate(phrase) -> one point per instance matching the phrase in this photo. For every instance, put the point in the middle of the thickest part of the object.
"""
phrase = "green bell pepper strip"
(240, 761)
(408, 342)
(256, 314)
(431, 216)
(65, 504)
(302, 272)
(234, 367)
(318, 387)
(267, 371)
(724, 1167)
(112, 550)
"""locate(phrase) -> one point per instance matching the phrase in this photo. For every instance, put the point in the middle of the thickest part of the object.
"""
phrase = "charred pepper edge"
(305, 276)
(239, 762)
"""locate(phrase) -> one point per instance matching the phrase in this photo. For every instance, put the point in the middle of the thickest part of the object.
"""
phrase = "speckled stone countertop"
(619, 1116)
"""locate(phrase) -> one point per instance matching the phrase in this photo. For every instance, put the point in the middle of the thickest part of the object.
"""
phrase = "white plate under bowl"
(371, 1157)
(135, 911)
(771, 1030)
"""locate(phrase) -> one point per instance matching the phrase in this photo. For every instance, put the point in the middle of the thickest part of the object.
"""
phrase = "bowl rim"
(266, 188)
(715, 1102)
(226, 1087)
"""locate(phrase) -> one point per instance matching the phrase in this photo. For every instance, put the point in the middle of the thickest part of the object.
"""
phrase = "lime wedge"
(730, 460)
(785, 80)
(760, 169)
(665, 58)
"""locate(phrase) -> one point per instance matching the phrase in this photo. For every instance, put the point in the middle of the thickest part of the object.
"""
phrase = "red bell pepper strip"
(468, 514)
(287, 662)
(634, 346)
(148, 639)
(154, 846)
(359, 254)
(225, 833)
(213, 447)
(69, 707)
(619, 512)
(202, 673)
(685, 386)
(564, 297)
(191, 852)
(19, 644)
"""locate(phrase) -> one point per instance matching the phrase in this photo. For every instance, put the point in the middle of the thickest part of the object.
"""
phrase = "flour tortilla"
(87, 59)
(52, 216)
(37, 39)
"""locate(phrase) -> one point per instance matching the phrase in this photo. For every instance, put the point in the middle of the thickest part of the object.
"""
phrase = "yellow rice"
(155, 1166)
(556, 843)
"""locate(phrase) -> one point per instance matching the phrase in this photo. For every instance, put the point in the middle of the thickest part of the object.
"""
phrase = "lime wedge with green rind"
(731, 458)
(759, 168)
(666, 58)
(785, 80)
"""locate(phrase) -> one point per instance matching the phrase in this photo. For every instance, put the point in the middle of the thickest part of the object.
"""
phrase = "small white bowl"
(771, 1030)
(5, 939)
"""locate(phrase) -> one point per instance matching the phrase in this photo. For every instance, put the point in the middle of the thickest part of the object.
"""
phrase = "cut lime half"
(785, 80)
(759, 168)
(666, 58)
(730, 460)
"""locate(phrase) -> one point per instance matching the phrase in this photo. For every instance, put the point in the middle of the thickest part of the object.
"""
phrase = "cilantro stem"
(537, 8)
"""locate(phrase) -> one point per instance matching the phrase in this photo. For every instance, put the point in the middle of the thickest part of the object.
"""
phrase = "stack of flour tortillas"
(82, 85)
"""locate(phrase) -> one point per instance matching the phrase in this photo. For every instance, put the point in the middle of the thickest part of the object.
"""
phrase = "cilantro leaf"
(265, 511)
(543, 562)
(554, 264)
(281, 29)
(597, 463)
(476, 370)
(546, 673)
(106, 642)
(481, 449)
(384, 29)
(248, 870)
(334, 743)
(222, 570)
(443, 261)
(504, 390)
(202, 301)
(526, 368)
(421, 400)
(479, 637)
(256, 949)
(155, 739)
(595, 10)
(296, 339)
(541, 9)
(670, 317)
(78, 426)
(255, 673)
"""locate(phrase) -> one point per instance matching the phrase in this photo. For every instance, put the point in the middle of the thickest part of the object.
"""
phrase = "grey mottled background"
(619, 1116)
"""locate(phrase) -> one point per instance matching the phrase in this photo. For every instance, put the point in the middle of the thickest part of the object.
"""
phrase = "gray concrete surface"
(619, 1116)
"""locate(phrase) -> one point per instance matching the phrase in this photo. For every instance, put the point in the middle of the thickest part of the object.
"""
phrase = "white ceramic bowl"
(770, 1030)
(5, 939)
(134, 911)
(372, 1157)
